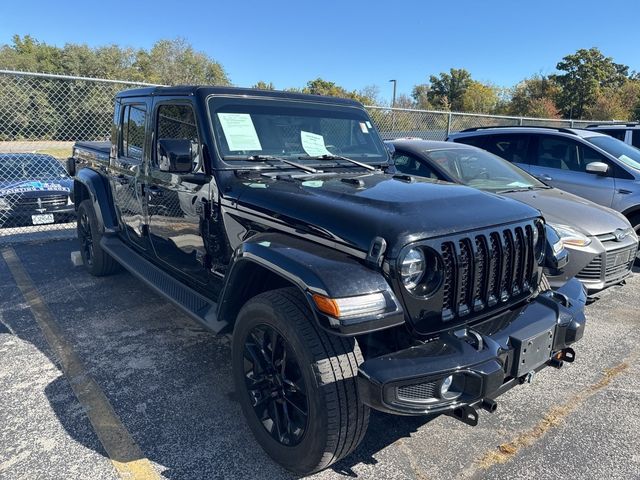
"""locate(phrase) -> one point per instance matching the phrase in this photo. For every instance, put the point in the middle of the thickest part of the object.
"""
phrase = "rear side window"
(635, 139)
(618, 133)
(476, 141)
(511, 147)
(133, 123)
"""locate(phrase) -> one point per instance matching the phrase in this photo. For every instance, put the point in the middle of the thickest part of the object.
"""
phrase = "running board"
(188, 300)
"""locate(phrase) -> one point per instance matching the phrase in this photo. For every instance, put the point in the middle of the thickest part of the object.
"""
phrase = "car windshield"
(483, 170)
(293, 130)
(28, 167)
(627, 154)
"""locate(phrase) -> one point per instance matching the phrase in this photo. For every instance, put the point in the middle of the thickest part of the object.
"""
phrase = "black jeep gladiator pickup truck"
(347, 286)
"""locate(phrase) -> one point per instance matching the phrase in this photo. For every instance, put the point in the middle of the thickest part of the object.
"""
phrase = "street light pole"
(393, 104)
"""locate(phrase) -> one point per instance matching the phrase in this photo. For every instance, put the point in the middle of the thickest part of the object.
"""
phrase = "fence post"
(521, 121)
(448, 124)
(571, 123)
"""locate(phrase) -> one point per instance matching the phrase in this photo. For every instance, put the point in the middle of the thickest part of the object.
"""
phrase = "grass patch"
(59, 152)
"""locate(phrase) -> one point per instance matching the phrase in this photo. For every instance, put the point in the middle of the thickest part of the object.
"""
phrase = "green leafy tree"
(586, 73)
(479, 98)
(320, 86)
(534, 95)
(447, 89)
(261, 85)
(420, 95)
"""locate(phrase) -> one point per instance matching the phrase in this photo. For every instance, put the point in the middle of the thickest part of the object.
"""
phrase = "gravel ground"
(168, 381)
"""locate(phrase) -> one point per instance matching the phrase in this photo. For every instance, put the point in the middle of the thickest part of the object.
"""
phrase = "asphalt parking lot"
(137, 367)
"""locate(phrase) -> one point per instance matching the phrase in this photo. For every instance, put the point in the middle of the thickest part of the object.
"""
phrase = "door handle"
(122, 179)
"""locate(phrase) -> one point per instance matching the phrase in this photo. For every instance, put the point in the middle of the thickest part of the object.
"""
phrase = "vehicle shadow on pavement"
(166, 378)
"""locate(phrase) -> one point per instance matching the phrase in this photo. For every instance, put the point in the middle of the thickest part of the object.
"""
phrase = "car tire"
(98, 262)
(319, 377)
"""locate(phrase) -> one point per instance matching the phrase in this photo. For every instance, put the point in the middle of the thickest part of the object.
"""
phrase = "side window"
(635, 139)
(557, 152)
(412, 166)
(511, 147)
(133, 129)
(176, 127)
(476, 141)
(618, 133)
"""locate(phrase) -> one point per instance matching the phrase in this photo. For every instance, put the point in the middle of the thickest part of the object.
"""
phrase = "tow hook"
(565, 355)
(465, 414)
(489, 405)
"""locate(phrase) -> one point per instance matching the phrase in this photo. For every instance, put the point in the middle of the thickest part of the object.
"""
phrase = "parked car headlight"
(412, 268)
(570, 236)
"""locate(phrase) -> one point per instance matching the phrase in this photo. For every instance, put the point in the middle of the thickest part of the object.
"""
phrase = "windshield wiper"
(338, 157)
(269, 158)
(517, 189)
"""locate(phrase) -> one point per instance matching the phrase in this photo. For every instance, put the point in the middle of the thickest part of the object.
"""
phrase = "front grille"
(593, 271)
(481, 270)
(21, 201)
(418, 392)
(614, 267)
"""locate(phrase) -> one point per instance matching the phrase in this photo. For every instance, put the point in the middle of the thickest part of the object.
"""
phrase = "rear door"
(176, 198)
(127, 169)
(513, 147)
(560, 161)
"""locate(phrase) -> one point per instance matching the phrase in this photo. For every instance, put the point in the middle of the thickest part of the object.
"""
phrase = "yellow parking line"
(124, 453)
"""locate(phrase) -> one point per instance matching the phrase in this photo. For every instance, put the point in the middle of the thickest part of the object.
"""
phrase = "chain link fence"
(42, 115)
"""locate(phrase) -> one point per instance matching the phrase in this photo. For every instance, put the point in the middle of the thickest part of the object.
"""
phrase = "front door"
(561, 162)
(177, 200)
(127, 168)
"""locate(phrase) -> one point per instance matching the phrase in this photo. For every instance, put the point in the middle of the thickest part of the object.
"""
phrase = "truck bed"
(92, 151)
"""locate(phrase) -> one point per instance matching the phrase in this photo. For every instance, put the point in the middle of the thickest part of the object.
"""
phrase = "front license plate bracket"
(532, 351)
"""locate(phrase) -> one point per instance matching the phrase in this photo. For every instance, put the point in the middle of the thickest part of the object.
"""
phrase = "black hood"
(378, 205)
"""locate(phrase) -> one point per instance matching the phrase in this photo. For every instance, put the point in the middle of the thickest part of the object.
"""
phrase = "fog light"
(449, 390)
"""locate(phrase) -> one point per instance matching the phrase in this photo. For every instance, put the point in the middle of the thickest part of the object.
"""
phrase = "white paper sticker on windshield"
(239, 131)
(363, 127)
(313, 144)
(369, 124)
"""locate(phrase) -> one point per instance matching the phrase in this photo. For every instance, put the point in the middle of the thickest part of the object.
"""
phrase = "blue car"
(35, 189)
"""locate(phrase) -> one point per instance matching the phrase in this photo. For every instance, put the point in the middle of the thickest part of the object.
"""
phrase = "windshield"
(483, 170)
(627, 154)
(18, 168)
(289, 129)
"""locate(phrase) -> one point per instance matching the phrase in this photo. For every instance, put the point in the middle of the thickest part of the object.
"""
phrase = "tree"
(534, 95)
(586, 73)
(479, 98)
(447, 89)
(261, 85)
(320, 86)
(420, 95)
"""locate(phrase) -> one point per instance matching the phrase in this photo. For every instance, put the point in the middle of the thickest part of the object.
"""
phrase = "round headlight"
(412, 268)
(539, 240)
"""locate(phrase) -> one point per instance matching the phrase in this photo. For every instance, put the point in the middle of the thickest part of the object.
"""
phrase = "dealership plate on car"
(42, 219)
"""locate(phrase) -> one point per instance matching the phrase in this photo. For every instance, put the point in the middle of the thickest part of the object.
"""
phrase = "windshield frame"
(624, 146)
(221, 164)
(535, 183)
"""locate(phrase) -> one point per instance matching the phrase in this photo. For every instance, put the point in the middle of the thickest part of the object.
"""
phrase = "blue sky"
(353, 43)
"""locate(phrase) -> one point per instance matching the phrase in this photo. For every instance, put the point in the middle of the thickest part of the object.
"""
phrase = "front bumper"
(485, 360)
(598, 266)
(21, 217)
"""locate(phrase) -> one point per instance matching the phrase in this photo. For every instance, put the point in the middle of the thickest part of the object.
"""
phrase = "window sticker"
(239, 131)
(363, 127)
(313, 144)
(368, 124)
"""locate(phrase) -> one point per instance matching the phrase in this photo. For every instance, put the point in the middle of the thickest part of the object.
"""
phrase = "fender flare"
(313, 268)
(90, 184)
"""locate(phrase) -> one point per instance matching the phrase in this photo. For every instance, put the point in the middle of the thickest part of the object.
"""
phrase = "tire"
(98, 262)
(321, 365)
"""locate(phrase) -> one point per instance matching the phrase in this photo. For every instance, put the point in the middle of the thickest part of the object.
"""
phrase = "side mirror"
(175, 155)
(599, 168)
(390, 148)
